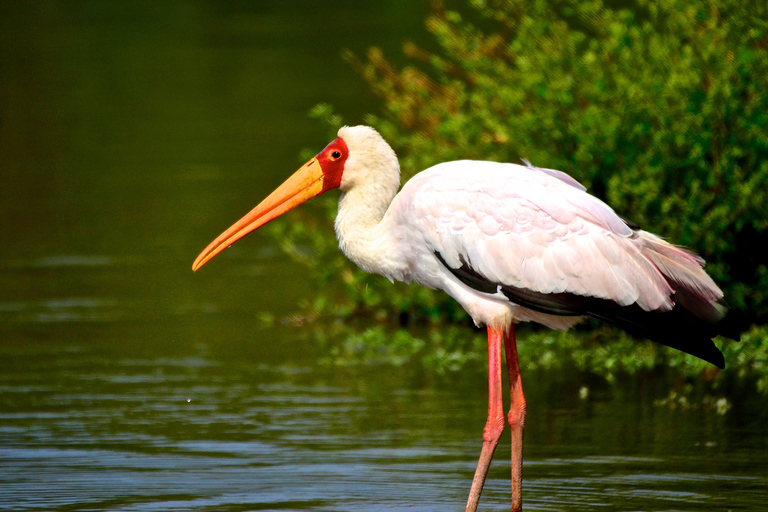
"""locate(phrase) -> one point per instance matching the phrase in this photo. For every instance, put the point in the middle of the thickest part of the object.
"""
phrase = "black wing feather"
(677, 328)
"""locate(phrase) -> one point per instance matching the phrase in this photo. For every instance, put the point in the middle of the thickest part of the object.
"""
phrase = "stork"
(511, 243)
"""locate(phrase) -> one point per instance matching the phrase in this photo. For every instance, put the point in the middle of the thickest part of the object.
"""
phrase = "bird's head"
(344, 163)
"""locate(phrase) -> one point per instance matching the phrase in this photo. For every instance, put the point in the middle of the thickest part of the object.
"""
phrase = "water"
(87, 427)
(130, 136)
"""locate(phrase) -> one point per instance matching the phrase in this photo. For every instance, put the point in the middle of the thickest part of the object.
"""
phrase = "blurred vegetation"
(660, 109)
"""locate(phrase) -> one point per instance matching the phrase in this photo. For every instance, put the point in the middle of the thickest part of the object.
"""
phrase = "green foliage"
(659, 109)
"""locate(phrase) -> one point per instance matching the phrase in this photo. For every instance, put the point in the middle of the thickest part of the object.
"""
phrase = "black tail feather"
(677, 328)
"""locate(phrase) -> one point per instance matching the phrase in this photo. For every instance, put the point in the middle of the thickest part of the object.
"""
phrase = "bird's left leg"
(516, 417)
(494, 425)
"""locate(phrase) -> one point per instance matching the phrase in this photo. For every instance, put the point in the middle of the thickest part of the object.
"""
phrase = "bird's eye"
(336, 155)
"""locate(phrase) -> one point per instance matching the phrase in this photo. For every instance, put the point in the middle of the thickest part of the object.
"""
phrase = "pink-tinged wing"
(566, 178)
(527, 228)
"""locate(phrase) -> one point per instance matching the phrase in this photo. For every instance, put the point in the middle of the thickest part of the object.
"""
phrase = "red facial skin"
(332, 160)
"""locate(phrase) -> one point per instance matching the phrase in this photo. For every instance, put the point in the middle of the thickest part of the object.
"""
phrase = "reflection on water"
(131, 134)
(86, 426)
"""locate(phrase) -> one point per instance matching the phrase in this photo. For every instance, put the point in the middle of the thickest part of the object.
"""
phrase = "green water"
(131, 134)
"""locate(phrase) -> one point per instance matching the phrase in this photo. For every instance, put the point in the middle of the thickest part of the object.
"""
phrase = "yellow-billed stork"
(510, 243)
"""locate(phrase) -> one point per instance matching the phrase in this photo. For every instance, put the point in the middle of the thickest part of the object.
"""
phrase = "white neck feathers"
(369, 182)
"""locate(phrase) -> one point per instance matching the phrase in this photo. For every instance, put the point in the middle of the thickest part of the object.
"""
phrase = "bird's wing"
(533, 231)
(544, 244)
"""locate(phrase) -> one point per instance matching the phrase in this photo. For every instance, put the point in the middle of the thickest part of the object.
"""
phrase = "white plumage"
(515, 225)
(510, 243)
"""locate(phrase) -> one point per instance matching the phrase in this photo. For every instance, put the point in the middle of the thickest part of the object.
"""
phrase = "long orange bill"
(302, 186)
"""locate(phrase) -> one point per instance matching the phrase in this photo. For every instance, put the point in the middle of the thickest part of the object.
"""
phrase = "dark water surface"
(130, 135)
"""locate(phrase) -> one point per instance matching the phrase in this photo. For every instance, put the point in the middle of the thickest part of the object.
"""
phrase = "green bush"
(660, 110)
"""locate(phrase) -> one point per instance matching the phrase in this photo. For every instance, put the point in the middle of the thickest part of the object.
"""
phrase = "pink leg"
(516, 417)
(494, 426)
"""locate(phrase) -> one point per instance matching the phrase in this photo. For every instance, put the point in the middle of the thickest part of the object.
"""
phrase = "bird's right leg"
(494, 425)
